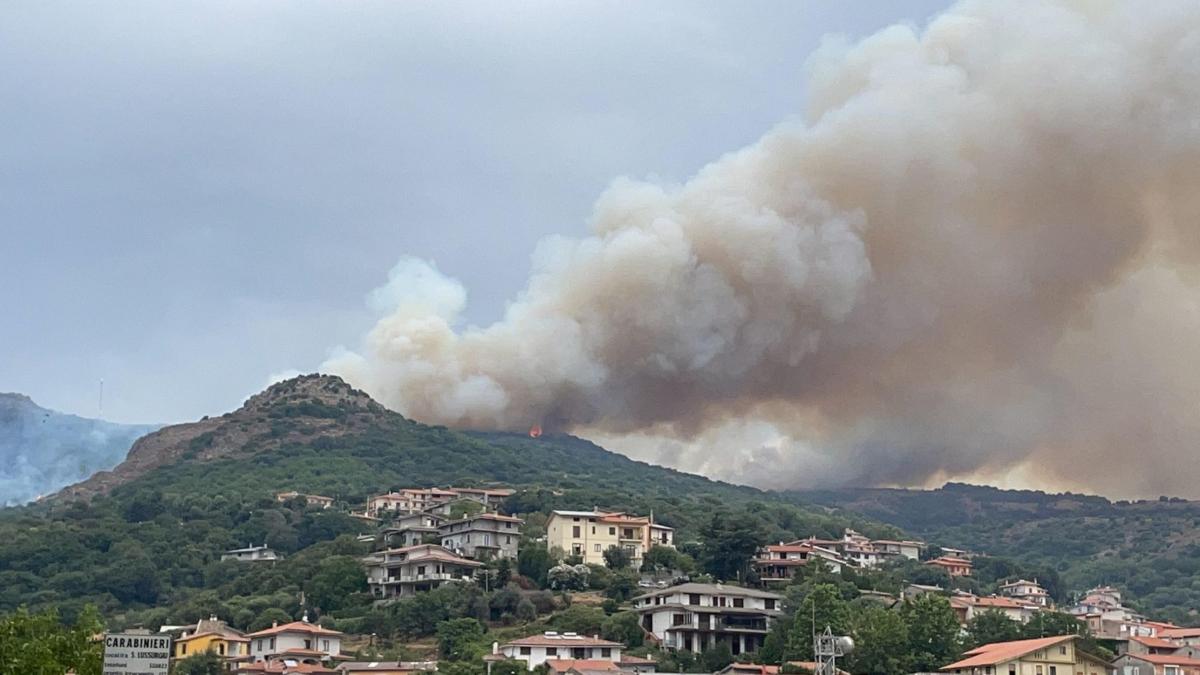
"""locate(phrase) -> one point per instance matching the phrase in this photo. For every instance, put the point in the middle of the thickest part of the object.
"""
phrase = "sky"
(198, 197)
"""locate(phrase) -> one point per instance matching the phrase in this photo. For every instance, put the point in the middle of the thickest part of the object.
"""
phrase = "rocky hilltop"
(292, 410)
(42, 450)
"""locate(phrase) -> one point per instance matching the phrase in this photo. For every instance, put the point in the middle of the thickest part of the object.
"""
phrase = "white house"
(698, 616)
(299, 640)
(550, 646)
(404, 571)
(1028, 591)
(251, 554)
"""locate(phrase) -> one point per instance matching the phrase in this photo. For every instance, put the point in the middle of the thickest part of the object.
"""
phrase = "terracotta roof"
(295, 627)
(1179, 632)
(1153, 642)
(224, 636)
(751, 668)
(419, 552)
(636, 661)
(812, 666)
(281, 668)
(563, 665)
(1001, 652)
(949, 561)
(1165, 659)
(999, 603)
(711, 589)
(561, 640)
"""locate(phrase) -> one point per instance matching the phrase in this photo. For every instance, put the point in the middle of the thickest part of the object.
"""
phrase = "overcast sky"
(197, 196)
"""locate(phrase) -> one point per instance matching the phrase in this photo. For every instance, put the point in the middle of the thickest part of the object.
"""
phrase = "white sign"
(133, 654)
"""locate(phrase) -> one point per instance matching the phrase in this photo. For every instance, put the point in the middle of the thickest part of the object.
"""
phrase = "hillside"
(1149, 548)
(143, 541)
(42, 450)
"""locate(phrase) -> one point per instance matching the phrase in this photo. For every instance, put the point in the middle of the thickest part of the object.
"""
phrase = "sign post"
(134, 654)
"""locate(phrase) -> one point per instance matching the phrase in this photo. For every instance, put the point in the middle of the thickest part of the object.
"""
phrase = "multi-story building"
(413, 500)
(588, 534)
(1102, 611)
(298, 640)
(861, 551)
(955, 567)
(550, 646)
(1026, 591)
(483, 536)
(696, 617)
(212, 635)
(1048, 656)
(777, 563)
(967, 606)
(405, 571)
(411, 529)
(252, 554)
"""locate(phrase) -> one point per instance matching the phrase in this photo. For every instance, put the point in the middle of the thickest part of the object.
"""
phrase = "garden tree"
(463, 508)
(598, 577)
(335, 582)
(822, 607)
(472, 667)
(504, 601)
(504, 571)
(623, 627)
(534, 562)
(716, 657)
(460, 639)
(526, 611)
(729, 544)
(991, 626)
(881, 642)
(267, 618)
(204, 663)
(39, 644)
(622, 586)
(508, 667)
(667, 559)
(568, 577)
(616, 558)
(775, 647)
(932, 632)
(582, 619)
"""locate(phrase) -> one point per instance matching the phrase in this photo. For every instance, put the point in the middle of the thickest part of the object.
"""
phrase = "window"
(739, 602)
(1062, 650)
(593, 529)
(272, 645)
(1012, 669)
(524, 651)
(1053, 670)
(693, 598)
(606, 652)
(221, 648)
(597, 548)
(612, 531)
(551, 651)
(1037, 670)
(575, 532)
(308, 644)
(769, 603)
(420, 570)
(576, 549)
(182, 647)
(325, 645)
(578, 653)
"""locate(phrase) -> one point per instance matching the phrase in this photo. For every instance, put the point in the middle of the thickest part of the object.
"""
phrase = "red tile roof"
(1179, 632)
(1165, 659)
(563, 665)
(295, 627)
(1158, 643)
(636, 661)
(1000, 652)
(561, 640)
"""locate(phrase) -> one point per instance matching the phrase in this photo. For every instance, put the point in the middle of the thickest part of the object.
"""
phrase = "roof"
(627, 659)
(372, 666)
(487, 516)
(249, 549)
(228, 637)
(1001, 652)
(1179, 632)
(561, 640)
(812, 666)
(283, 668)
(949, 561)
(1157, 643)
(295, 627)
(712, 589)
(757, 668)
(1164, 659)
(563, 665)
(419, 552)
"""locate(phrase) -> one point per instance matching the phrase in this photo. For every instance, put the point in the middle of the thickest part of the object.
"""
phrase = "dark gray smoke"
(973, 254)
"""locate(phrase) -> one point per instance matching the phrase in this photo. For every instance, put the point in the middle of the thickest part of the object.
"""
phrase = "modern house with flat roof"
(696, 617)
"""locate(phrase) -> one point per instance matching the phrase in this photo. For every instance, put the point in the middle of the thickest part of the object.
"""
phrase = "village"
(428, 538)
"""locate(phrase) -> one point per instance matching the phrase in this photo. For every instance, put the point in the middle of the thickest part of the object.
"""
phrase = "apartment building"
(412, 529)
(552, 646)
(405, 571)
(696, 617)
(589, 533)
(1026, 591)
(1039, 656)
(955, 567)
(776, 564)
(413, 500)
(484, 536)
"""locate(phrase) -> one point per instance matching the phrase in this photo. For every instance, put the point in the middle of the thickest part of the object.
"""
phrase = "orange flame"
(535, 431)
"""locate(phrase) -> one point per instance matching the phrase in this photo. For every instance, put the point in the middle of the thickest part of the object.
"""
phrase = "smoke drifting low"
(974, 251)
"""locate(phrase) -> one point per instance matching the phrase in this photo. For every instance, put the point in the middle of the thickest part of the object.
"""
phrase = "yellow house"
(1039, 656)
(212, 635)
(588, 534)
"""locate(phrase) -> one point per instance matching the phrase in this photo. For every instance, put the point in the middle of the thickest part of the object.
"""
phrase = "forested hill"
(1149, 548)
(42, 450)
(143, 542)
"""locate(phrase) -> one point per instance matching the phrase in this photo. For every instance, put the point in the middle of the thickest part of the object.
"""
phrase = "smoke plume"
(974, 251)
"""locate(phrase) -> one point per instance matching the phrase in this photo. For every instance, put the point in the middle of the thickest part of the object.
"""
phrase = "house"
(1132, 663)
(905, 548)
(252, 554)
(411, 529)
(957, 552)
(698, 616)
(312, 500)
(637, 664)
(404, 571)
(914, 591)
(748, 669)
(1101, 609)
(536, 650)
(1184, 636)
(483, 536)
(588, 534)
(1156, 646)
(283, 667)
(1027, 591)
(212, 635)
(955, 567)
(967, 605)
(1047, 656)
(409, 500)
(491, 498)
(298, 641)
(777, 563)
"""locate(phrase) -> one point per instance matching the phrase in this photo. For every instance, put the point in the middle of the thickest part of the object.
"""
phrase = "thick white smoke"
(973, 252)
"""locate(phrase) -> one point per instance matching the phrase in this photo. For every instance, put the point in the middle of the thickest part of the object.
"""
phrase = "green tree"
(205, 663)
(822, 607)
(932, 632)
(991, 626)
(40, 644)
(533, 562)
(622, 585)
(336, 580)
(881, 642)
(459, 639)
(728, 546)
(267, 618)
(616, 558)
(716, 657)
(623, 627)
(582, 619)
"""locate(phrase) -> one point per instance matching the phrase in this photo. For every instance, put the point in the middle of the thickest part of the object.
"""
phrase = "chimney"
(274, 624)
(495, 648)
